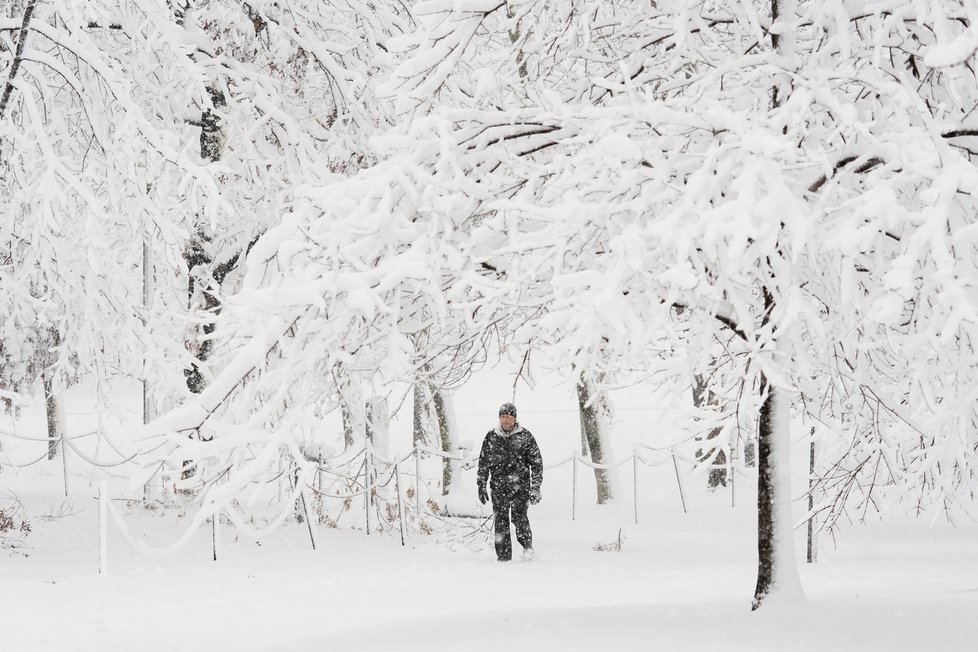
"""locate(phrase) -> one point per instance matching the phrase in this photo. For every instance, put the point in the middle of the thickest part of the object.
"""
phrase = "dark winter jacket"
(514, 462)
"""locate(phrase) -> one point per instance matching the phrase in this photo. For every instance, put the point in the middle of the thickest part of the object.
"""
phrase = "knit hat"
(507, 408)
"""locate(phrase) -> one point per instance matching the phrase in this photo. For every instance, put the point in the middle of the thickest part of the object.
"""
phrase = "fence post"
(732, 474)
(812, 543)
(64, 457)
(103, 515)
(635, 483)
(367, 472)
(417, 478)
(214, 519)
(679, 482)
(305, 510)
(574, 490)
(400, 505)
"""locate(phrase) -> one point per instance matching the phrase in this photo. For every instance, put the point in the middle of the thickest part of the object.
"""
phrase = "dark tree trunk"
(211, 132)
(198, 261)
(53, 418)
(46, 359)
(202, 279)
(766, 548)
(198, 258)
(25, 28)
(776, 567)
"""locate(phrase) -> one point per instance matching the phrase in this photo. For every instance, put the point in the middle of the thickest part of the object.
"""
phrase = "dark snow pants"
(502, 506)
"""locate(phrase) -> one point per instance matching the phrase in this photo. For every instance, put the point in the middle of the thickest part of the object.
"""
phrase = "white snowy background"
(250, 250)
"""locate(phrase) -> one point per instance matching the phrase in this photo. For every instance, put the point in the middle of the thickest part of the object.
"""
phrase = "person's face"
(507, 421)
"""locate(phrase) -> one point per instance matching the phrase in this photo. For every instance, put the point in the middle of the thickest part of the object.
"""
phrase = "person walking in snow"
(511, 457)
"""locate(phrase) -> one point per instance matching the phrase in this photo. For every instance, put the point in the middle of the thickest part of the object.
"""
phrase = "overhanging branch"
(8, 87)
(867, 165)
(721, 317)
(955, 133)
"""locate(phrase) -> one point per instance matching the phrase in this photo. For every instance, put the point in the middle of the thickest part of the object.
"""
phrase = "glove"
(483, 495)
(535, 497)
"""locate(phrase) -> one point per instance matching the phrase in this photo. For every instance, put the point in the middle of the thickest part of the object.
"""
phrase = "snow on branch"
(8, 86)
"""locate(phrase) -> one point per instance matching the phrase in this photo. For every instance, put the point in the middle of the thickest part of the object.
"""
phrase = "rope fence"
(366, 481)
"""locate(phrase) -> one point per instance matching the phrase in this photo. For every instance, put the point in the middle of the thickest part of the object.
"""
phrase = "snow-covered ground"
(681, 581)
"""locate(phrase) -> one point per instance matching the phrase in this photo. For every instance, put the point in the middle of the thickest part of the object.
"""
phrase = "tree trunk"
(352, 408)
(514, 36)
(149, 413)
(149, 405)
(585, 449)
(422, 413)
(378, 426)
(198, 261)
(350, 429)
(198, 257)
(594, 410)
(8, 86)
(204, 280)
(448, 436)
(54, 409)
(46, 359)
(777, 570)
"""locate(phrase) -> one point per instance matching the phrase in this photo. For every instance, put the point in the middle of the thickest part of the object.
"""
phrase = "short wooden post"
(214, 535)
(305, 511)
(732, 474)
(679, 482)
(400, 505)
(367, 464)
(417, 478)
(64, 457)
(635, 483)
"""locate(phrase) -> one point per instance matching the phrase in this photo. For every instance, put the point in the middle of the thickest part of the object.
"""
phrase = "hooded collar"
(516, 429)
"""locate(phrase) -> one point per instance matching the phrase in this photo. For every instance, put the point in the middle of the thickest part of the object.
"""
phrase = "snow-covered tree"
(789, 183)
(155, 139)
(721, 161)
(289, 97)
(84, 152)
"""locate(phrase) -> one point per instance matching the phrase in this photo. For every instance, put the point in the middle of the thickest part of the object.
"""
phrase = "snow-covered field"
(681, 581)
